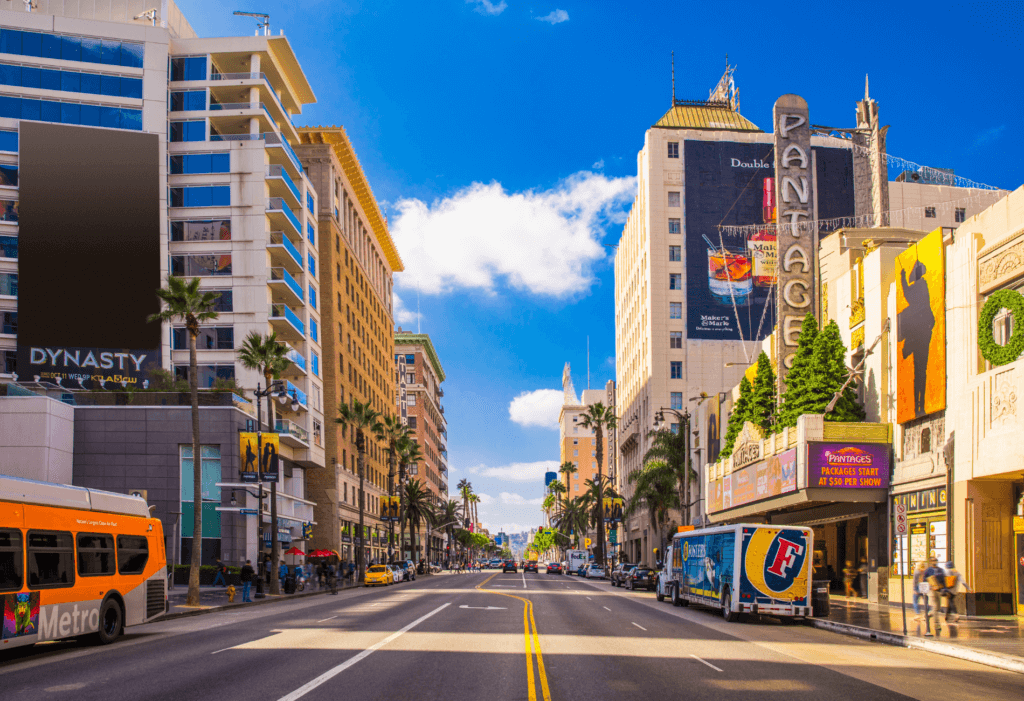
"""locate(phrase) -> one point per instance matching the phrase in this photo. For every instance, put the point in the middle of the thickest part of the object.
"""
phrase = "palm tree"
(465, 489)
(363, 420)
(656, 490)
(474, 499)
(392, 430)
(571, 517)
(599, 417)
(269, 357)
(417, 509)
(567, 469)
(670, 448)
(409, 453)
(448, 514)
(187, 304)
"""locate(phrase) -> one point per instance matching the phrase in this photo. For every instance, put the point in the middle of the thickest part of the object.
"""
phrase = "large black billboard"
(89, 253)
(730, 277)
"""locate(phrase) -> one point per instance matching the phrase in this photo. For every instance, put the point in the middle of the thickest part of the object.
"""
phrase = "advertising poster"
(769, 478)
(77, 367)
(254, 467)
(848, 465)
(921, 329)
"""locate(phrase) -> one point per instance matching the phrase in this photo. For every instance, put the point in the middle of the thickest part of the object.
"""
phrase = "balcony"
(282, 217)
(291, 433)
(297, 394)
(282, 185)
(284, 287)
(236, 116)
(298, 367)
(287, 323)
(234, 87)
(281, 153)
(283, 252)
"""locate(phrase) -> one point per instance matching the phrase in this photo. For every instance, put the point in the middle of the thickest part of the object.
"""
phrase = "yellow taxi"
(379, 574)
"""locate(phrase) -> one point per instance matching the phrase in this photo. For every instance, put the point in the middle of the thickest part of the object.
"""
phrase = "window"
(676, 369)
(411, 400)
(210, 338)
(314, 330)
(676, 400)
(95, 554)
(410, 378)
(673, 149)
(673, 199)
(960, 215)
(9, 210)
(70, 113)
(51, 559)
(412, 422)
(410, 358)
(674, 428)
(929, 212)
(201, 196)
(9, 141)
(202, 230)
(71, 48)
(312, 297)
(70, 81)
(675, 339)
(11, 556)
(225, 302)
(575, 441)
(675, 254)
(188, 101)
(316, 363)
(9, 365)
(9, 322)
(311, 233)
(200, 163)
(198, 265)
(675, 281)
(193, 130)
(133, 552)
(189, 68)
(674, 227)
(926, 440)
(575, 453)
(675, 310)
(8, 284)
(208, 374)
(310, 205)
(311, 264)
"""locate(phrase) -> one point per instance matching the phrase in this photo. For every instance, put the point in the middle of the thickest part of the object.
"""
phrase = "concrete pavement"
(493, 636)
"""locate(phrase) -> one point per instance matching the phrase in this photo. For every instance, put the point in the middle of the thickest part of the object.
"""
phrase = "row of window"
(200, 163)
(70, 113)
(188, 68)
(9, 141)
(9, 247)
(203, 230)
(109, 52)
(70, 81)
(194, 130)
(199, 265)
(51, 557)
(200, 196)
(187, 101)
(209, 338)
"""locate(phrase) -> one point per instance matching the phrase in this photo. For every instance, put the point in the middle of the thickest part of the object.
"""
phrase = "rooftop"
(705, 114)
(420, 339)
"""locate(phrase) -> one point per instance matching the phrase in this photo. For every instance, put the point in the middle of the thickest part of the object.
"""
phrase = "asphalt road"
(520, 637)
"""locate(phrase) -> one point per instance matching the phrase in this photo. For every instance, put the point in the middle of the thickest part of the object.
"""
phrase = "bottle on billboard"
(764, 252)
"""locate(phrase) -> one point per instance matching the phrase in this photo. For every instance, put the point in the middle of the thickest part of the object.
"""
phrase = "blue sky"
(501, 139)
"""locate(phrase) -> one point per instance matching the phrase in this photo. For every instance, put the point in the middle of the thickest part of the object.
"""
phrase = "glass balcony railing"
(283, 311)
(282, 274)
(292, 429)
(273, 139)
(276, 171)
(235, 137)
(297, 358)
(278, 237)
(296, 393)
(275, 204)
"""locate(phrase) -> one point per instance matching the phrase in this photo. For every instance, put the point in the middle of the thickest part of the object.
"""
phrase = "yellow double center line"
(532, 640)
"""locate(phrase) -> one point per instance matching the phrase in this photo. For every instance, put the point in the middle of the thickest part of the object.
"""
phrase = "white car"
(595, 572)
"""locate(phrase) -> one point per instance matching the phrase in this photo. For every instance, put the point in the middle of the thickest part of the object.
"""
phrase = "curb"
(991, 659)
(258, 602)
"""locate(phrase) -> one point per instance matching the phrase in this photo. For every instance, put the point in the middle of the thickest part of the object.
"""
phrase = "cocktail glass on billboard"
(730, 276)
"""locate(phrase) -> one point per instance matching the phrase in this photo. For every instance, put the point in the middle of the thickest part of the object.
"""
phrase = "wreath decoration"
(990, 350)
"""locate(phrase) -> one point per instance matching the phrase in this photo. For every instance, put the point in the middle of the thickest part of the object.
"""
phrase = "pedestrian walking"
(332, 578)
(921, 592)
(222, 570)
(282, 573)
(247, 575)
(850, 574)
(953, 579)
(935, 576)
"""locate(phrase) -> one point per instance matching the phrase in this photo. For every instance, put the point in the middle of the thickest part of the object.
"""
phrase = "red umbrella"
(293, 551)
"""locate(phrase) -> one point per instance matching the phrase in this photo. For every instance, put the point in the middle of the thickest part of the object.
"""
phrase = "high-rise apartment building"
(358, 260)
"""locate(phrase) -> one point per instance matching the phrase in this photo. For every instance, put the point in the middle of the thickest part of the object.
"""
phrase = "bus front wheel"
(111, 622)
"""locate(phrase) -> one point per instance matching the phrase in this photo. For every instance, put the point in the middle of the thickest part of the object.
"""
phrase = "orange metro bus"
(76, 561)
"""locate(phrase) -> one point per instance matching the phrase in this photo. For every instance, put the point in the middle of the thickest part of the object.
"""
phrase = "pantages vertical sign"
(796, 235)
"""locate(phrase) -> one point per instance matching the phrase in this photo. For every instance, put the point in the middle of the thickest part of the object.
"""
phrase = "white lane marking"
(606, 608)
(587, 597)
(638, 626)
(707, 663)
(335, 671)
(524, 579)
(326, 619)
(227, 648)
(485, 608)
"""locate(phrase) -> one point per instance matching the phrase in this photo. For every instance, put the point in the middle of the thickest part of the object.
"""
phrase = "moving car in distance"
(641, 578)
(496, 564)
(595, 572)
(618, 575)
(509, 566)
(531, 566)
(379, 575)
(554, 568)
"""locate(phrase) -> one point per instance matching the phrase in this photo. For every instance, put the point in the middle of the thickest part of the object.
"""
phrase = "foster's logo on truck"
(776, 562)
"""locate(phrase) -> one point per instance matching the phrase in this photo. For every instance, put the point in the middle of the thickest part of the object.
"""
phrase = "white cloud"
(539, 241)
(517, 471)
(404, 315)
(598, 165)
(537, 408)
(486, 7)
(513, 498)
(556, 17)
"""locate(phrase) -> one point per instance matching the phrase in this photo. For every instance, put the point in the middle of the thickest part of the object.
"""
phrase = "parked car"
(399, 572)
(595, 572)
(531, 566)
(641, 578)
(581, 571)
(379, 575)
(409, 568)
(509, 566)
(618, 575)
(554, 568)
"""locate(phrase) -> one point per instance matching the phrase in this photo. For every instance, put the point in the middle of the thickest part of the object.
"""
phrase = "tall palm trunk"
(391, 493)
(275, 544)
(197, 475)
(360, 551)
(599, 435)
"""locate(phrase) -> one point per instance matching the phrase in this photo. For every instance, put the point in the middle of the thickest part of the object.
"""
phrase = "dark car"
(641, 578)
(531, 566)
(509, 566)
(618, 575)
(554, 568)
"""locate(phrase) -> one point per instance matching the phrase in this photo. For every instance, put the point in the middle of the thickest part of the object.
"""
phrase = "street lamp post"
(684, 419)
(259, 515)
(275, 389)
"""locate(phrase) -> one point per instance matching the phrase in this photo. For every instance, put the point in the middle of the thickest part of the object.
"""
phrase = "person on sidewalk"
(850, 574)
(952, 581)
(282, 573)
(247, 575)
(935, 576)
(222, 571)
(921, 591)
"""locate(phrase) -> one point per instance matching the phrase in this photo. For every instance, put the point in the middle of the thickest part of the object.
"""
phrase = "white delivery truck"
(742, 568)
(576, 558)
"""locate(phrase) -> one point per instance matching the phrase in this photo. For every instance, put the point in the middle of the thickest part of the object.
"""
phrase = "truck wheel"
(727, 613)
(676, 601)
(111, 622)
(657, 593)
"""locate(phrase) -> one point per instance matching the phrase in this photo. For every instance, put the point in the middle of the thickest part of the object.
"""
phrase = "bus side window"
(95, 554)
(51, 559)
(12, 557)
(132, 554)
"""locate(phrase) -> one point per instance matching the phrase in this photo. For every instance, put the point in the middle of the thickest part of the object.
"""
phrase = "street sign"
(248, 512)
(901, 519)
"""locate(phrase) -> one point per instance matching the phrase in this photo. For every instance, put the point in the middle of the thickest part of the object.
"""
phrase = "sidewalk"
(217, 598)
(997, 641)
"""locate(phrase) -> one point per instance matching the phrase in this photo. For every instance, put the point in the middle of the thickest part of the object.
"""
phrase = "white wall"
(37, 436)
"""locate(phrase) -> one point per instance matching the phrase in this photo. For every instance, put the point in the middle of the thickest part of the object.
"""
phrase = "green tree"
(409, 453)
(571, 518)
(270, 358)
(669, 447)
(799, 380)
(600, 418)
(830, 374)
(184, 302)
(737, 417)
(654, 488)
(391, 431)
(449, 514)
(362, 420)
(761, 409)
